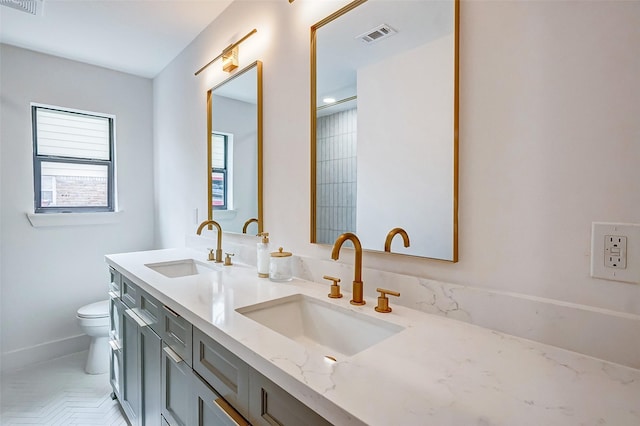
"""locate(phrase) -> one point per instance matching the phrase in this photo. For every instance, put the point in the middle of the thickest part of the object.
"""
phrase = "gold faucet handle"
(383, 302)
(211, 255)
(227, 260)
(335, 288)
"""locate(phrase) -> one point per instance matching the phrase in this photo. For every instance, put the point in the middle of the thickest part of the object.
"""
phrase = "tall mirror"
(384, 114)
(234, 129)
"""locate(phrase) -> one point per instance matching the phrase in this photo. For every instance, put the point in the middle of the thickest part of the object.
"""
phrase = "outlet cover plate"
(600, 231)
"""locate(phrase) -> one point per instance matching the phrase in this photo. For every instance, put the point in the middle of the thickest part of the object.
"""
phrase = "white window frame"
(38, 159)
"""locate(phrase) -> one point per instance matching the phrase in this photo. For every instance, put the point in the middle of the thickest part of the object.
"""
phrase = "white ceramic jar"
(280, 266)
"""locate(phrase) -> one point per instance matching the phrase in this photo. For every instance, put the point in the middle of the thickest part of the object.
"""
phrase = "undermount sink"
(181, 268)
(335, 331)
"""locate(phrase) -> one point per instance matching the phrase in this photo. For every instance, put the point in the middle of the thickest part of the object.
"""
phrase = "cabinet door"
(151, 374)
(270, 405)
(223, 370)
(130, 376)
(210, 409)
(176, 383)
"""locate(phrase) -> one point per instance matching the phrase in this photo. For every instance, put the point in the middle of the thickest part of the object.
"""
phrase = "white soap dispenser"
(263, 255)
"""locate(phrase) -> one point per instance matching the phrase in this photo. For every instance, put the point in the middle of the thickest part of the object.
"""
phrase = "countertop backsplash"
(605, 334)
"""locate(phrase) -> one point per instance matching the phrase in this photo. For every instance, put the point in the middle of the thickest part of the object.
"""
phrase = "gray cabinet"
(270, 405)
(223, 370)
(176, 332)
(136, 349)
(209, 408)
(153, 351)
(128, 292)
(116, 311)
(150, 376)
(114, 283)
(176, 384)
(129, 383)
(237, 389)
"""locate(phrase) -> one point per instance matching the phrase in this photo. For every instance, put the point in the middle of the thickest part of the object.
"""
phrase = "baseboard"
(21, 358)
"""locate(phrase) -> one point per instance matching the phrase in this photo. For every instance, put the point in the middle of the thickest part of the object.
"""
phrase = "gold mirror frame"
(456, 34)
(258, 66)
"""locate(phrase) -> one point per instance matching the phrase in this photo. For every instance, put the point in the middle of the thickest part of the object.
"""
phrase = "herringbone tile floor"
(58, 392)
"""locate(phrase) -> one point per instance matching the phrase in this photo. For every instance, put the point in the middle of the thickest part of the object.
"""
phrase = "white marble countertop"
(436, 371)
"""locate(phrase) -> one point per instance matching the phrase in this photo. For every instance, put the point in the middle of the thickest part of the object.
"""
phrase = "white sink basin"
(320, 326)
(181, 268)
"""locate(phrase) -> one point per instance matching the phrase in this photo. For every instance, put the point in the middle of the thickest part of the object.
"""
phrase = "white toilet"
(94, 321)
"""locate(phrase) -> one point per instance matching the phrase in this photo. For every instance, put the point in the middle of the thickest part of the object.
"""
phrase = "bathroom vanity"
(195, 342)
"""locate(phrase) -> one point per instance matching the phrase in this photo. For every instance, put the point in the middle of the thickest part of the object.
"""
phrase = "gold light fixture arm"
(227, 49)
(393, 233)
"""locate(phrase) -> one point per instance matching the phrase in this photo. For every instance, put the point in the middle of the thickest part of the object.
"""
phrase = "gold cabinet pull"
(335, 288)
(234, 416)
(383, 302)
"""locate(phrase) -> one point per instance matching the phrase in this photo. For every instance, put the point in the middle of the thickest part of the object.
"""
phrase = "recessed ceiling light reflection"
(329, 100)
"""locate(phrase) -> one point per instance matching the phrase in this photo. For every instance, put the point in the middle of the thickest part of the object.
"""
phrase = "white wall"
(549, 139)
(48, 273)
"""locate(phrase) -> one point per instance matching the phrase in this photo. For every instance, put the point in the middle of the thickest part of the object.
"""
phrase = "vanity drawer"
(271, 405)
(176, 332)
(209, 408)
(223, 370)
(149, 309)
(114, 283)
(130, 292)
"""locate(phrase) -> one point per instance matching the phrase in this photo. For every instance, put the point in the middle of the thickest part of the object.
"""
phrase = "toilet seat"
(95, 310)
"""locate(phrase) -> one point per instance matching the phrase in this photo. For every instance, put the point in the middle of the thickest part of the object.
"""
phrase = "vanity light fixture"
(230, 59)
(229, 55)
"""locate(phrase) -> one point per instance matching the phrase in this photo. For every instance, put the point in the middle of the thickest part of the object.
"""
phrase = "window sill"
(41, 220)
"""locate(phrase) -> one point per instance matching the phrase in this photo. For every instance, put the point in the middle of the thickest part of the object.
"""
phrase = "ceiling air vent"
(34, 7)
(376, 34)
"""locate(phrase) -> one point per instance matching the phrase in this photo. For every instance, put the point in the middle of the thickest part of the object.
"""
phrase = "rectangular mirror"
(384, 115)
(234, 166)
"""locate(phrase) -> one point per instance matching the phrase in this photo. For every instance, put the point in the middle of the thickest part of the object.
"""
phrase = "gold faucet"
(247, 223)
(219, 244)
(357, 267)
(393, 233)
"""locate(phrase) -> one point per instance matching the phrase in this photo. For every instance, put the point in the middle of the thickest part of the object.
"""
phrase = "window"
(73, 162)
(219, 171)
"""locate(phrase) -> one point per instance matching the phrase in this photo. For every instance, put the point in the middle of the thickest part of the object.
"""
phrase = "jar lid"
(280, 253)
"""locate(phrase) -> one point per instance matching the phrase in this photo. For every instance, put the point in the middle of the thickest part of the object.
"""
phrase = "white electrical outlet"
(615, 251)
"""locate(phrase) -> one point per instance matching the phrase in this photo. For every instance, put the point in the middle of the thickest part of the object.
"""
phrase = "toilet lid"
(95, 310)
